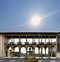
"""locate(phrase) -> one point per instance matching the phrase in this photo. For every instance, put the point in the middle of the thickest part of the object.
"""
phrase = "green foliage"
(30, 60)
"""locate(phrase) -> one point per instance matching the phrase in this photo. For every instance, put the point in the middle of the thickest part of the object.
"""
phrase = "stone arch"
(10, 48)
(36, 50)
(40, 50)
(9, 51)
(53, 51)
(43, 50)
(16, 49)
(30, 47)
(47, 50)
(23, 49)
(22, 46)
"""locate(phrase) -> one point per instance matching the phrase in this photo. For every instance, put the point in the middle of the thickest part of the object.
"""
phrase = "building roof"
(30, 34)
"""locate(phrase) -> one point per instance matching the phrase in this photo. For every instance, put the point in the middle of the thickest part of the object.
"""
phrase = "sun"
(35, 20)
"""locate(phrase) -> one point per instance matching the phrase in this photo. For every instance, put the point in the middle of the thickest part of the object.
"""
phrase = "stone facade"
(4, 38)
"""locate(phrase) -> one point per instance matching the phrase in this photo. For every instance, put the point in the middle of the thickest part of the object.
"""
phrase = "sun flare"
(35, 20)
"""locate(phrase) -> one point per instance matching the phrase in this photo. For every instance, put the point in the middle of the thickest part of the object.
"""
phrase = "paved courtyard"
(19, 60)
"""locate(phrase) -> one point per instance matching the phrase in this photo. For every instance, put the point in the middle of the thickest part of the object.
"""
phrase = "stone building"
(48, 44)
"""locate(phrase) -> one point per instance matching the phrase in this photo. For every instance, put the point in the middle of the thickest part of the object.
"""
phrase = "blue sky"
(15, 15)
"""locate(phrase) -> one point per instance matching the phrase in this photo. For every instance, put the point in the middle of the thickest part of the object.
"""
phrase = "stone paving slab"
(12, 60)
(52, 60)
(1, 60)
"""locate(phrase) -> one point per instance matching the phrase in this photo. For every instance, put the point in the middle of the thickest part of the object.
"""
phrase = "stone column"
(45, 40)
(26, 38)
(41, 52)
(19, 47)
(6, 41)
(38, 40)
(26, 52)
(6, 51)
(34, 39)
(45, 51)
(19, 52)
(41, 47)
(51, 40)
(49, 52)
(12, 52)
(19, 39)
(9, 53)
(58, 46)
(33, 51)
(41, 38)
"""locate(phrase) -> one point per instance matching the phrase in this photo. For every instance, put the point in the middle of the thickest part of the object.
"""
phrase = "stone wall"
(2, 47)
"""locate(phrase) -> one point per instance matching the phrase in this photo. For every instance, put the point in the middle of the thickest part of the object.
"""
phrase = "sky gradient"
(16, 14)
